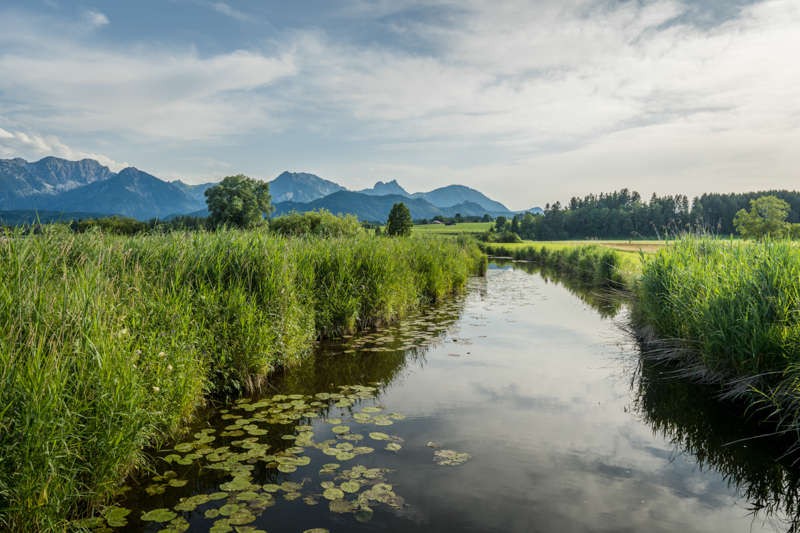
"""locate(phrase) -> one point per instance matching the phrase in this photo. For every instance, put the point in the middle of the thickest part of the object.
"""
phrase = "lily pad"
(247, 496)
(450, 457)
(287, 468)
(218, 496)
(397, 416)
(350, 486)
(370, 410)
(317, 530)
(330, 466)
(342, 506)
(393, 447)
(220, 528)
(185, 447)
(235, 484)
(177, 482)
(291, 496)
(344, 456)
(291, 486)
(334, 421)
(379, 436)
(172, 457)
(158, 515)
(382, 422)
(212, 513)
(363, 450)
(340, 429)
(333, 494)
(241, 517)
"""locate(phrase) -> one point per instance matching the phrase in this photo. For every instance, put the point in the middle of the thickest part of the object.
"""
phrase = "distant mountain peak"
(301, 187)
(384, 189)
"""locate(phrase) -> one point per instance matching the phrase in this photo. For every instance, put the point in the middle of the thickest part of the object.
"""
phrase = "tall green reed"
(108, 344)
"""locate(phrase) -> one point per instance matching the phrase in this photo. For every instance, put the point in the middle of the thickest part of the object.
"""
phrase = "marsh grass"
(108, 344)
(596, 264)
(731, 313)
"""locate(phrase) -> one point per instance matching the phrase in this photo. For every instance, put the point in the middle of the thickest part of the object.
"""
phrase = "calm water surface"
(567, 431)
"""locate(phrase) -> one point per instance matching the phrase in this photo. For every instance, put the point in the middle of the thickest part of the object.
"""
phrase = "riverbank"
(109, 343)
(725, 311)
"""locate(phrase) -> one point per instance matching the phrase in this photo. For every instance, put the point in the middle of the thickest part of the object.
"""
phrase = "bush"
(321, 223)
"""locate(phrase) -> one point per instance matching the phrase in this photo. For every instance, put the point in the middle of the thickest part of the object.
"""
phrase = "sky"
(528, 101)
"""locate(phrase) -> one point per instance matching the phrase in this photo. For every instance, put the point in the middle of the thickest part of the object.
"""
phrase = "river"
(518, 406)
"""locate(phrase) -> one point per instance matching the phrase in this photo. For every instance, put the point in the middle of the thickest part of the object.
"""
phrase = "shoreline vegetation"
(110, 343)
(728, 312)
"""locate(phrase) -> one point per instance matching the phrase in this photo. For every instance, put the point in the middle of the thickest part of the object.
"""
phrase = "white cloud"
(34, 147)
(94, 18)
(228, 11)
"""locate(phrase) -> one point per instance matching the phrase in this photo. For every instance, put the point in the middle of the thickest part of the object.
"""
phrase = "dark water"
(567, 429)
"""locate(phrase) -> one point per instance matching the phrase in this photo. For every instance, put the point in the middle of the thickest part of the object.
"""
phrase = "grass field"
(441, 229)
(647, 246)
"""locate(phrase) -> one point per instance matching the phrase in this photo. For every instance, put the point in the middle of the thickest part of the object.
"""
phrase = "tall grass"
(596, 264)
(730, 312)
(108, 344)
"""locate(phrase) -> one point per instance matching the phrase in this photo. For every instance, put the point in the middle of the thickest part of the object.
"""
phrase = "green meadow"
(109, 344)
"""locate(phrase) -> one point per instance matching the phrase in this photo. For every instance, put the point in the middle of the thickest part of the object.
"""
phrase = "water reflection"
(607, 303)
(719, 438)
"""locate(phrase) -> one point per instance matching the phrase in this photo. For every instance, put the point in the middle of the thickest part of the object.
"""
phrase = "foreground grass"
(108, 344)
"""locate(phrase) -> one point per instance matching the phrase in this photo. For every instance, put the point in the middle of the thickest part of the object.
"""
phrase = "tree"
(399, 222)
(458, 218)
(767, 217)
(515, 225)
(239, 201)
(486, 218)
(500, 224)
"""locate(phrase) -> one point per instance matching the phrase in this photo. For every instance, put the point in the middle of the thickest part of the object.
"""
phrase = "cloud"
(228, 11)
(94, 18)
(35, 147)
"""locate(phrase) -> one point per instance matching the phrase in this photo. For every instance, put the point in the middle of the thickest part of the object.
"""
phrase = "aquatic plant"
(108, 344)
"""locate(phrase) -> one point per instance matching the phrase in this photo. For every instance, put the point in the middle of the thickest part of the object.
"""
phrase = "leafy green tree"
(239, 201)
(767, 217)
(458, 218)
(486, 218)
(515, 225)
(500, 224)
(399, 222)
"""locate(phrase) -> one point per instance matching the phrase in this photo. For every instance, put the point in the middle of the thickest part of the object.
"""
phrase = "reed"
(108, 344)
(596, 264)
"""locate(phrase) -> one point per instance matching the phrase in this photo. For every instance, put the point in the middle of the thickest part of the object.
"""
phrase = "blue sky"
(527, 101)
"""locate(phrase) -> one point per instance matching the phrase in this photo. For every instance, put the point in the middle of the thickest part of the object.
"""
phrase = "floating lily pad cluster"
(234, 449)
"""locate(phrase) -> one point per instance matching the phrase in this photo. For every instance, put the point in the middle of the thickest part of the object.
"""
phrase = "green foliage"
(399, 223)
(116, 225)
(500, 224)
(322, 223)
(238, 201)
(506, 237)
(600, 265)
(108, 343)
(515, 225)
(766, 218)
(486, 218)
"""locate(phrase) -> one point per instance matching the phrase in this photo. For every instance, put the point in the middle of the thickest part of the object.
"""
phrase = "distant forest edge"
(619, 214)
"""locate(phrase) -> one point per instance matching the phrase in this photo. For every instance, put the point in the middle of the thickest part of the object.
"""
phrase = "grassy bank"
(109, 343)
(592, 262)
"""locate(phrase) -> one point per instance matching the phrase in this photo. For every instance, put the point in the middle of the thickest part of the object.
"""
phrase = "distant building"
(435, 222)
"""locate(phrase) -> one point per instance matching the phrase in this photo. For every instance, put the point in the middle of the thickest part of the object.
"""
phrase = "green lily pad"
(172, 457)
(392, 447)
(327, 484)
(271, 488)
(370, 410)
(342, 506)
(212, 513)
(247, 496)
(291, 496)
(177, 482)
(334, 421)
(228, 509)
(353, 437)
(236, 483)
(218, 496)
(257, 431)
(291, 486)
(159, 515)
(287, 468)
(382, 422)
(317, 530)
(310, 414)
(364, 515)
(330, 466)
(340, 429)
(115, 516)
(363, 450)
(295, 449)
(397, 416)
(450, 458)
(350, 486)
(379, 436)
(344, 446)
(220, 528)
(333, 494)
(185, 447)
(344, 456)
(330, 451)
(177, 525)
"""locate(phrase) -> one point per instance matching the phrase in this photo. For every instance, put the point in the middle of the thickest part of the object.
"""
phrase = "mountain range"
(84, 187)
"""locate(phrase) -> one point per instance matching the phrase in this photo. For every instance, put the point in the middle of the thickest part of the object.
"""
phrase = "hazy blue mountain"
(301, 187)
(456, 194)
(382, 189)
(195, 192)
(24, 184)
(376, 208)
(131, 193)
